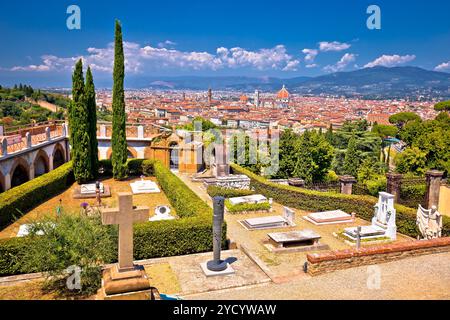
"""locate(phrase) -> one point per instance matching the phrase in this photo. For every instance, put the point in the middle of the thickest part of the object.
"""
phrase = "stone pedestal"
(129, 284)
(394, 181)
(347, 184)
(434, 178)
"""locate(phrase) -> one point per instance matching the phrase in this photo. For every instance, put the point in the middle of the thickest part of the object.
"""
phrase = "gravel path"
(424, 277)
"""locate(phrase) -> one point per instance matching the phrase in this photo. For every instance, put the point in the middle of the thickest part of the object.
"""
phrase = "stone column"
(7, 181)
(4, 147)
(216, 264)
(47, 134)
(394, 181)
(347, 184)
(102, 130)
(434, 178)
(140, 132)
(28, 139)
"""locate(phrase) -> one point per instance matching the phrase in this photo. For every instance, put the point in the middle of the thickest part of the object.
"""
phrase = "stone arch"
(132, 153)
(59, 157)
(41, 163)
(20, 172)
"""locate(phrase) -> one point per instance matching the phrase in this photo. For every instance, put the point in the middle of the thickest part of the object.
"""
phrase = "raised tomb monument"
(329, 217)
(383, 222)
(220, 168)
(272, 222)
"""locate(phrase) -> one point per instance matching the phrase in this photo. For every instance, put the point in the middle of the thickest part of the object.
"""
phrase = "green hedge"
(19, 200)
(192, 233)
(310, 200)
(243, 207)
(215, 191)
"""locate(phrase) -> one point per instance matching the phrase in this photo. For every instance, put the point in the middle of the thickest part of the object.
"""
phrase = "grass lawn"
(73, 206)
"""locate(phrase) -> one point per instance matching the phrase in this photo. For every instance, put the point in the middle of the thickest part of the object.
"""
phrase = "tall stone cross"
(125, 216)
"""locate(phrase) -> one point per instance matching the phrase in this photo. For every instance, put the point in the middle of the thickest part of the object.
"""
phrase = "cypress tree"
(79, 133)
(118, 140)
(91, 107)
(351, 160)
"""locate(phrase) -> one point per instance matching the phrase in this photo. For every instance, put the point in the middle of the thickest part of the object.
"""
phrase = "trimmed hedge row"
(322, 201)
(215, 191)
(192, 233)
(19, 200)
(246, 207)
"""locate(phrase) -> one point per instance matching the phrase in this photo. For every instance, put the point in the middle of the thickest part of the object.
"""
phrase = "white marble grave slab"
(255, 198)
(162, 213)
(91, 188)
(329, 217)
(144, 186)
(367, 232)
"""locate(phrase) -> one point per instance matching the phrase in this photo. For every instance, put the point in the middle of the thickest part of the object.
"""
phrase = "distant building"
(282, 100)
(256, 99)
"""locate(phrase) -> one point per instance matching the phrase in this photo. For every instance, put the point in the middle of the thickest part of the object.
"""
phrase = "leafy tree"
(329, 134)
(411, 160)
(384, 131)
(402, 118)
(206, 124)
(119, 140)
(442, 106)
(92, 121)
(351, 160)
(288, 154)
(314, 156)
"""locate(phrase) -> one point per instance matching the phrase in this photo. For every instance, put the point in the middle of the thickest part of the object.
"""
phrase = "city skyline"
(257, 39)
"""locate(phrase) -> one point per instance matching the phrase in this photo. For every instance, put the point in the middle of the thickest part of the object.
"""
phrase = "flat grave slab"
(87, 191)
(255, 198)
(264, 223)
(367, 232)
(303, 240)
(144, 186)
(329, 217)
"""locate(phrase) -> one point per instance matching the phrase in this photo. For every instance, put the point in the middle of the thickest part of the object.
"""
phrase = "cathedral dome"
(283, 93)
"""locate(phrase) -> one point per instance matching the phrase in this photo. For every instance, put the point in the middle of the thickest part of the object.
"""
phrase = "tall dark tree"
(351, 160)
(80, 141)
(91, 107)
(119, 141)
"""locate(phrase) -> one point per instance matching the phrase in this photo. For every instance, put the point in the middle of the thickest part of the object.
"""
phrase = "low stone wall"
(319, 263)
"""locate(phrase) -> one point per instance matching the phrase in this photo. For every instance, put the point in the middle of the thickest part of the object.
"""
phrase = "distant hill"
(377, 82)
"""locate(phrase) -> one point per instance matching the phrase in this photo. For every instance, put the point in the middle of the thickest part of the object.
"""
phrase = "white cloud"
(311, 55)
(142, 58)
(342, 63)
(390, 60)
(166, 44)
(333, 46)
(313, 65)
(443, 66)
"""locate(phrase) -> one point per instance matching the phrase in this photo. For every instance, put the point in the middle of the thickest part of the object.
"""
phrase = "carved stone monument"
(125, 280)
(429, 223)
(383, 222)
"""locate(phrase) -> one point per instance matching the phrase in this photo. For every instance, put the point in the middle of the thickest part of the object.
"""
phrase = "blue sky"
(216, 38)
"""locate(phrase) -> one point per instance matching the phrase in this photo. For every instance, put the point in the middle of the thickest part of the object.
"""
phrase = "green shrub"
(241, 207)
(74, 240)
(376, 185)
(412, 195)
(21, 199)
(323, 201)
(215, 191)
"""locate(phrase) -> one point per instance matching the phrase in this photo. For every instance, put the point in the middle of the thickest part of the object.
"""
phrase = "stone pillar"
(64, 130)
(347, 184)
(102, 130)
(434, 178)
(1, 130)
(7, 181)
(28, 139)
(217, 264)
(50, 162)
(4, 147)
(140, 132)
(394, 182)
(47, 134)
(32, 172)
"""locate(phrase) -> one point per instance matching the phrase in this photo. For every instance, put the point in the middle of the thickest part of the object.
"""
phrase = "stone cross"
(125, 216)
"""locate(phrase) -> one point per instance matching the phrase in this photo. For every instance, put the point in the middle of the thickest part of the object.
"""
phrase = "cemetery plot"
(273, 222)
(68, 204)
(88, 191)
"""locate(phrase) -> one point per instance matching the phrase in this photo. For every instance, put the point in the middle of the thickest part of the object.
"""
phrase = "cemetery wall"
(310, 200)
(192, 233)
(319, 263)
